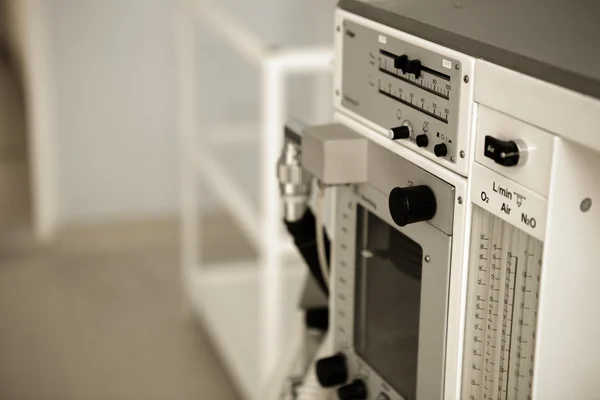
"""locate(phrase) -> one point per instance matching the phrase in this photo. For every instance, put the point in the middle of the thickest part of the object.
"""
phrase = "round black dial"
(400, 132)
(357, 390)
(440, 150)
(412, 204)
(332, 371)
(422, 140)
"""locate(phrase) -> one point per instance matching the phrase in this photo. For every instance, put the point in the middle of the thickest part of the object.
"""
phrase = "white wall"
(114, 68)
(114, 71)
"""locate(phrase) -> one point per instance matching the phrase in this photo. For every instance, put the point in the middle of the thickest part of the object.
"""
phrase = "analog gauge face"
(393, 82)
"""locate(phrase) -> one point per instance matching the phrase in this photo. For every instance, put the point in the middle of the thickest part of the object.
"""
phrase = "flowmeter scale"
(502, 301)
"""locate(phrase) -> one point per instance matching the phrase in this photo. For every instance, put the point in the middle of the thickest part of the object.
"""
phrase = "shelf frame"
(264, 230)
(211, 303)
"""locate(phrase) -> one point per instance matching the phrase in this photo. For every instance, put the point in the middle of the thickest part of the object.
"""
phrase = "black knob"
(412, 204)
(422, 140)
(503, 152)
(400, 132)
(332, 371)
(357, 390)
(401, 63)
(440, 150)
(414, 67)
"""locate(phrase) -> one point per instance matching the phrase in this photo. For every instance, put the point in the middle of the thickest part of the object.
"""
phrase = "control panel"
(509, 188)
(463, 215)
(416, 92)
(514, 149)
(390, 269)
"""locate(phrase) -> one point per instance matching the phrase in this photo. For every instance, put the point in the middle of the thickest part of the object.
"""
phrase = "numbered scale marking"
(391, 87)
(502, 299)
(411, 102)
(431, 81)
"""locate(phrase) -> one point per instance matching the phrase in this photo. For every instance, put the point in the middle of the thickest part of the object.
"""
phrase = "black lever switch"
(401, 62)
(503, 152)
(414, 67)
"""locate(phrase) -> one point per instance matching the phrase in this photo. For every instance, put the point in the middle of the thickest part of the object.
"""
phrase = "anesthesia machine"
(463, 166)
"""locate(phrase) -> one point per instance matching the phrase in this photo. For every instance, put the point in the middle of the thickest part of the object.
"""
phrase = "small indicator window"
(382, 39)
(447, 64)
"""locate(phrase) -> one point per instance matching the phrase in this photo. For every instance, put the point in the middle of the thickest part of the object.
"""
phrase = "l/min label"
(510, 201)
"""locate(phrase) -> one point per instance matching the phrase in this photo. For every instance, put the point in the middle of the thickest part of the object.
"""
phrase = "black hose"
(303, 232)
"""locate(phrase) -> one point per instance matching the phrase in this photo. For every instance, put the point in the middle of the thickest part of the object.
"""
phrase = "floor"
(98, 314)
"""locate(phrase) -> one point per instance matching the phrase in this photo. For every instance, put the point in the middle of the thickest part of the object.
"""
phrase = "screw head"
(586, 204)
(462, 154)
(427, 258)
(457, 66)
(460, 200)
(466, 78)
(337, 92)
(452, 159)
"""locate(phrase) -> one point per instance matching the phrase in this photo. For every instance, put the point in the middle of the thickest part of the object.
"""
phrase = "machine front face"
(390, 297)
(414, 88)
(461, 303)
(446, 307)
(391, 288)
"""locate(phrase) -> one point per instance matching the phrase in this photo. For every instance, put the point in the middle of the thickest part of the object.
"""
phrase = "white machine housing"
(553, 197)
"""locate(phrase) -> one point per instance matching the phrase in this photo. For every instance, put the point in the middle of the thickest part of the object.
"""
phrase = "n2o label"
(510, 201)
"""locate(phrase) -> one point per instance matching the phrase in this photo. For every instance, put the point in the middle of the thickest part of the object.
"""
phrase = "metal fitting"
(294, 181)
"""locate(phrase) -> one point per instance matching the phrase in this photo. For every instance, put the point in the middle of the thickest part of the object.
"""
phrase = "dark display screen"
(388, 293)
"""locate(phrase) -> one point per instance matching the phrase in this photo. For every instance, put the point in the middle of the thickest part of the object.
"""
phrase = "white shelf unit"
(249, 308)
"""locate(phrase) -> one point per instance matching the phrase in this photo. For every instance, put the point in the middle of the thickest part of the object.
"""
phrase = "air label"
(510, 201)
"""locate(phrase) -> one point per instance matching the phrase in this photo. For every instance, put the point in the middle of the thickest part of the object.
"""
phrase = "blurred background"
(139, 218)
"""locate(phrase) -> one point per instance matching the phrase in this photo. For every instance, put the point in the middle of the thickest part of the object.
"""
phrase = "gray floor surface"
(98, 314)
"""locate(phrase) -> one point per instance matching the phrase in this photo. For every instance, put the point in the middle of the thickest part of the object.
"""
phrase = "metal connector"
(294, 180)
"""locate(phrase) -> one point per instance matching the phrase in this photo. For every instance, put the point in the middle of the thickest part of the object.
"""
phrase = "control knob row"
(404, 131)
